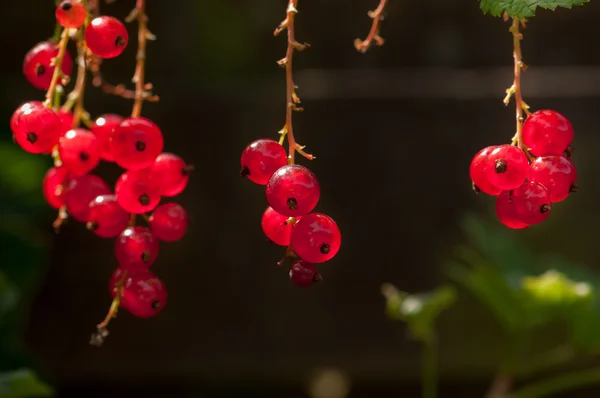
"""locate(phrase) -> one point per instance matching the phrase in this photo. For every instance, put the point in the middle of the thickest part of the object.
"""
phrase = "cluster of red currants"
(527, 182)
(292, 193)
(134, 143)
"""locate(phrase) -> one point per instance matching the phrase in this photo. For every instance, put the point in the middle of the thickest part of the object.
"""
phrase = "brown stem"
(377, 16)
(76, 96)
(102, 331)
(292, 99)
(62, 48)
(138, 77)
(501, 386)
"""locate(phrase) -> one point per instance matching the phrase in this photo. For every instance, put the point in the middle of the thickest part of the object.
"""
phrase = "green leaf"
(8, 295)
(23, 383)
(524, 8)
(419, 311)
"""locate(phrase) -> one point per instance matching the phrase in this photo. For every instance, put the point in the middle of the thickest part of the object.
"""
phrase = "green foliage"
(524, 8)
(419, 311)
(23, 383)
(8, 295)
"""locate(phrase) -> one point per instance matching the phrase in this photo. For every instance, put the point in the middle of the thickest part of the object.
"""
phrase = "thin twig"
(292, 99)
(377, 16)
(57, 62)
(97, 338)
(75, 97)
(138, 77)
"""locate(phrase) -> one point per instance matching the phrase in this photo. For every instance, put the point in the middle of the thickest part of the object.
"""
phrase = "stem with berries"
(374, 34)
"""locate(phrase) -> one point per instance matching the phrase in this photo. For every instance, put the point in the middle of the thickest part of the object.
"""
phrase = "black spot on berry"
(292, 203)
(145, 256)
(144, 199)
(84, 157)
(140, 146)
(92, 225)
(120, 41)
(66, 5)
(574, 188)
(32, 137)
(155, 305)
(245, 172)
(545, 208)
(325, 248)
(475, 188)
(40, 70)
(500, 166)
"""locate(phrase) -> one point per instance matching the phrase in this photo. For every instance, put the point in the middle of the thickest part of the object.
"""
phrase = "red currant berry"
(137, 192)
(66, 120)
(316, 238)
(136, 143)
(276, 227)
(136, 248)
(38, 130)
(547, 133)
(71, 14)
(103, 128)
(293, 191)
(531, 202)
(144, 295)
(53, 186)
(304, 275)
(79, 151)
(106, 37)
(80, 191)
(20, 110)
(507, 167)
(107, 219)
(556, 173)
(261, 159)
(506, 212)
(481, 170)
(171, 173)
(38, 65)
(169, 222)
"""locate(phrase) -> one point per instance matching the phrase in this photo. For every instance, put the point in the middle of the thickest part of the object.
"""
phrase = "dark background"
(393, 131)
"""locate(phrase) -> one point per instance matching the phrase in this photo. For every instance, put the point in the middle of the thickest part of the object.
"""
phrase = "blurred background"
(394, 131)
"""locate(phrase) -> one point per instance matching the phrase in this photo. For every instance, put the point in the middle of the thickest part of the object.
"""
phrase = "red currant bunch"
(54, 127)
(527, 180)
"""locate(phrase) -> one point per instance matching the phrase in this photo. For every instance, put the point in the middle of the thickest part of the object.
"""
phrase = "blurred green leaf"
(8, 295)
(419, 311)
(20, 173)
(23, 383)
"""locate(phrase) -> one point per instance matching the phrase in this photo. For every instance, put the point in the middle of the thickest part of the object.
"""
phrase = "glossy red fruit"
(482, 170)
(547, 133)
(316, 238)
(556, 173)
(80, 191)
(169, 222)
(144, 295)
(106, 37)
(531, 203)
(66, 120)
(103, 129)
(304, 275)
(38, 68)
(53, 186)
(506, 167)
(261, 159)
(136, 248)
(171, 173)
(277, 228)
(79, 151)
(71, 14)
(107, 219)
(506, 212)
(20, 110)
(137, 192)
(37, 129)
(136, 143)
(293, 191)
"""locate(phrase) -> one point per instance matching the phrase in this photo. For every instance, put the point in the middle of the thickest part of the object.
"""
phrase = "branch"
(292, 99)
(98, 338)
(377, 16)
(57, 62)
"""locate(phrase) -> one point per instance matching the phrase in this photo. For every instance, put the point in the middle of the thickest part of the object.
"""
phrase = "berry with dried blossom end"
(103, 128)
(80, 191)
(38, 64)
(277, 227)
(38, 130)
(137, 191)
(107, 219)
(547, 132)
(136, 248)
(79, 151)
(507, 213)
(144, 295)
(556, 173)
(261, 159)
(71, 14)
(304, 274)
(531, 202)
(293, 191)
(316, 238)
(481, 171)
(106, 37)
(136, 143)
(169, 222)
(53, 186)
(171, 173)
